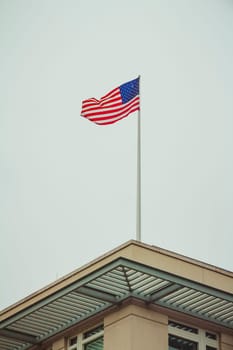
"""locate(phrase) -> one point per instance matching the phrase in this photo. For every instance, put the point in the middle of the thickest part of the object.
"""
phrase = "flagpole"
(138, 214)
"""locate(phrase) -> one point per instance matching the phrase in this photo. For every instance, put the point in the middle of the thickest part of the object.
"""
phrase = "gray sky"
(67, 186)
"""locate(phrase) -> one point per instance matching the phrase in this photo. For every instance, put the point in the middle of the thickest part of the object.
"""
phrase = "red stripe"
(110, 93)
(89, 109)
(101, 111)
(113, 121)
(91, 106)
(93, 102)
(90, 103)
(119, 115)
(115, 115)
(110, 101)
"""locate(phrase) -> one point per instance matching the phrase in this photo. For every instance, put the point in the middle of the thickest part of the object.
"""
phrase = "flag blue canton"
(129, 90)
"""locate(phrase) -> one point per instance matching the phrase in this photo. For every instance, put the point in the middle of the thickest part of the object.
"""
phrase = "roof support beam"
(164, 292)
(64, 291)
(97, 294)
(194, 314)
(52, 307)
(18, 336)
(176, 279)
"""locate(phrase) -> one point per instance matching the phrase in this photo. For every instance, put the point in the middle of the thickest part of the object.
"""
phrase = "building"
(134, 297)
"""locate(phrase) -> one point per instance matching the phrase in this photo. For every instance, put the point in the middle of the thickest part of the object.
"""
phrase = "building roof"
(157, 278)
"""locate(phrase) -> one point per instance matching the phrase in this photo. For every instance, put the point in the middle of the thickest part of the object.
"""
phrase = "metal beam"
(75, 321)
(176, 279)
(164, 292)
(123, 262)
(22, 337)
(65, 290)
(195, 314)
(94, 293)
(80, 286)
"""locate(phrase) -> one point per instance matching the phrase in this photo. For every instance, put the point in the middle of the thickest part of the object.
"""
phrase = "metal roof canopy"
(107, 286)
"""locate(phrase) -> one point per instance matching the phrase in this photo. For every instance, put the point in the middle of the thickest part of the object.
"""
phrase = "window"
(177, 343)
(184, 337)
(91, 340)
(73, 343)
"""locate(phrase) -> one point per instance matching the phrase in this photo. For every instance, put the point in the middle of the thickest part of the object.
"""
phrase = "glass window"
(97, 344)
(177, 343)
(183, 327)
(72, 341)
(93, 332)
(211, 335)
(186, 337)
(93, 339)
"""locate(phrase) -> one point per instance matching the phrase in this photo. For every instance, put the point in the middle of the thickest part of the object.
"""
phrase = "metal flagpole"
(138, 215)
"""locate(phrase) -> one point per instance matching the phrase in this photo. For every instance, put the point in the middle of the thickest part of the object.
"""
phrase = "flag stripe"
(105, 121)
(110, 93)
(88, 105)
(112, 111)
(113, 116)
(115, 96)
(113, 106)
(118, 106)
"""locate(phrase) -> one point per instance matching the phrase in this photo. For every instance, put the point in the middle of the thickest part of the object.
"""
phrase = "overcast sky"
(68, 186)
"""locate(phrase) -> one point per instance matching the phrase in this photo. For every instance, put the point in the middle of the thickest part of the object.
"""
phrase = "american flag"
(115, 105)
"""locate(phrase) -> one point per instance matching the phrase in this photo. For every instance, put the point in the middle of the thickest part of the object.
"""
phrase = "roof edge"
(59, 283)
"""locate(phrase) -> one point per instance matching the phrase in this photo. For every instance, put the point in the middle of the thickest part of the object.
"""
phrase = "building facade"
(136, 297)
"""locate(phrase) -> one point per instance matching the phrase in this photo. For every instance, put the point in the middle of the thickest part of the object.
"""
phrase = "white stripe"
(101, 102)
(109, 118)
(110, 94)
(133, 102)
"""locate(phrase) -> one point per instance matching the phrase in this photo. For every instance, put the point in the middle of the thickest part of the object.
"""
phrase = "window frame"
(81, 341)
(200, 337)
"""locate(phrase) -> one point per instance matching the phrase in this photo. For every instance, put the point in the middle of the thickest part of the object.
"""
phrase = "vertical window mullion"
(202, 342)
(92, 339)
(184, 337)
(80, 345)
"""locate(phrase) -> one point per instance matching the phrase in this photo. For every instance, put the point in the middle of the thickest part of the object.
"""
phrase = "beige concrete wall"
(226, 342)
(183, 267)
(59, 344)
(135, 328)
